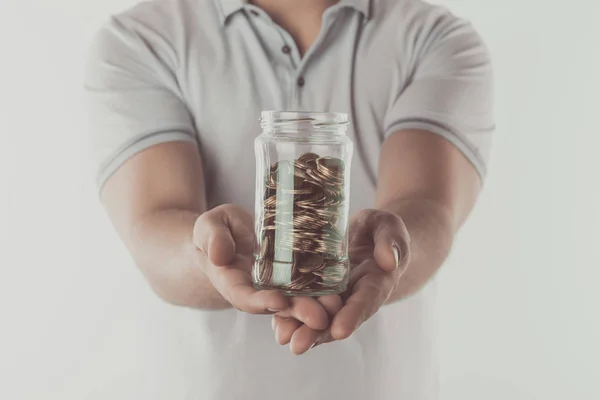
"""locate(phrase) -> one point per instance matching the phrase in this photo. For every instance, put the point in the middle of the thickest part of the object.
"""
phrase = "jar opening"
(303, 121)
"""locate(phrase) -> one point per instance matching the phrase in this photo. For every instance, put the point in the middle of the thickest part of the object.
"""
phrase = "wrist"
(164, 250)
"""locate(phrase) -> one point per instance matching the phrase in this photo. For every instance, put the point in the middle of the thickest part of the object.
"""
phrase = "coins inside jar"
(301, 248)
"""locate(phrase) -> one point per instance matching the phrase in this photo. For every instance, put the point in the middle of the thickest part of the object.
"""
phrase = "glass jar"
(302, 191)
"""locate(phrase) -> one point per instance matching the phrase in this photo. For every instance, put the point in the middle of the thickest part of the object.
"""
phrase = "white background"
(519, 298)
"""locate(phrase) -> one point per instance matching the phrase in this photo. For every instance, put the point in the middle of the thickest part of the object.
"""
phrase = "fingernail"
(273, 310)
(396, 254)
(314, 344)
(273, 325)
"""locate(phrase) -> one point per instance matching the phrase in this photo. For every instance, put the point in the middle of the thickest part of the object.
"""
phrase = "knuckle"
(202, 226)
(343, 331)
(312, 319)
(222, 207)
(305, 317)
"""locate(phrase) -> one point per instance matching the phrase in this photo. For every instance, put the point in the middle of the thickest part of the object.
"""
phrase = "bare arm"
(438, 134)
(153, 201)
(190, 256)
(425, 191)
(432, 187)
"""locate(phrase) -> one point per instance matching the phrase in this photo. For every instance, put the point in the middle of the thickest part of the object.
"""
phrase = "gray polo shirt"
(201, 71)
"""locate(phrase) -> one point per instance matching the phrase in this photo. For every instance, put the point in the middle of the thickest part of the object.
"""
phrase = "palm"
(377, 239)
(225, 237)
(365, 272)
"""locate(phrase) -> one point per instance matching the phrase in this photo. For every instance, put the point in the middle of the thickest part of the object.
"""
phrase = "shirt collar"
(362, 6)
(229, 7)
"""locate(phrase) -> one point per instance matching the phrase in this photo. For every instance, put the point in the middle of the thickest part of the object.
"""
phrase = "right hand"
(225, 237)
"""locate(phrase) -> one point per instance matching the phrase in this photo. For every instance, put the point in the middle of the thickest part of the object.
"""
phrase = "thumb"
(221, 246)
(213, 238)
(391, 250)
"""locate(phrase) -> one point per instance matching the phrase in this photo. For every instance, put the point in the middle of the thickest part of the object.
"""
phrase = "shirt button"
(286, 49)
(301, 81)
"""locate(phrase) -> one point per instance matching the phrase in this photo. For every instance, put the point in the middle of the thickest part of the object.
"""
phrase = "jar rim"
(315, 119)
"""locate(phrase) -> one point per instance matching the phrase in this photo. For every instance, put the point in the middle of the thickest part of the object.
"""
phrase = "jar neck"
(300, 124)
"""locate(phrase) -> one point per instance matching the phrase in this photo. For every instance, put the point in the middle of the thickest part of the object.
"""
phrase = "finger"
(213, 238)
(324, 337)
(387, 233)
(369, 294)
(331, 303)
(298, 343)
(235, 285)
(241, 226)
(303, 339)
(308, 311)
(390, 239)
(221, 247)
(223, 231)
(285, 328)
(246, 298)
(310, 338)
(382, 235)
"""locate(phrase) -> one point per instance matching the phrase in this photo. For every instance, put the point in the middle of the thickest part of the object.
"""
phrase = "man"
(175, 88)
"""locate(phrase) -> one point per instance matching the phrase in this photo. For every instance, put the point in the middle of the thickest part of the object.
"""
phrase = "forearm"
(431, 230)
(162, 246)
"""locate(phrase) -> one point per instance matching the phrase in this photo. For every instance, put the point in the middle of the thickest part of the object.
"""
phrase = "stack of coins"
(303, 208)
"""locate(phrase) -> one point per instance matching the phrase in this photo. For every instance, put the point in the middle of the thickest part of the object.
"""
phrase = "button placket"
(305, 61)
(293, 56)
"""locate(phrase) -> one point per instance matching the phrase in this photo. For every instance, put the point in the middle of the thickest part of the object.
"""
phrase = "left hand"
(379, 254)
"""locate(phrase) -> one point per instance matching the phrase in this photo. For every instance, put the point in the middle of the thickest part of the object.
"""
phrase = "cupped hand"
(224, 236)
(379, 255)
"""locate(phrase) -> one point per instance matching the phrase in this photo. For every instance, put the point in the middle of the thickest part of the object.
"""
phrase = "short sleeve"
(450, 92)
(132, 98)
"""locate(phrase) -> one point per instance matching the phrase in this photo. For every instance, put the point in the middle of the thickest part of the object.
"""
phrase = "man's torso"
(230, 61)
(226, 61)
